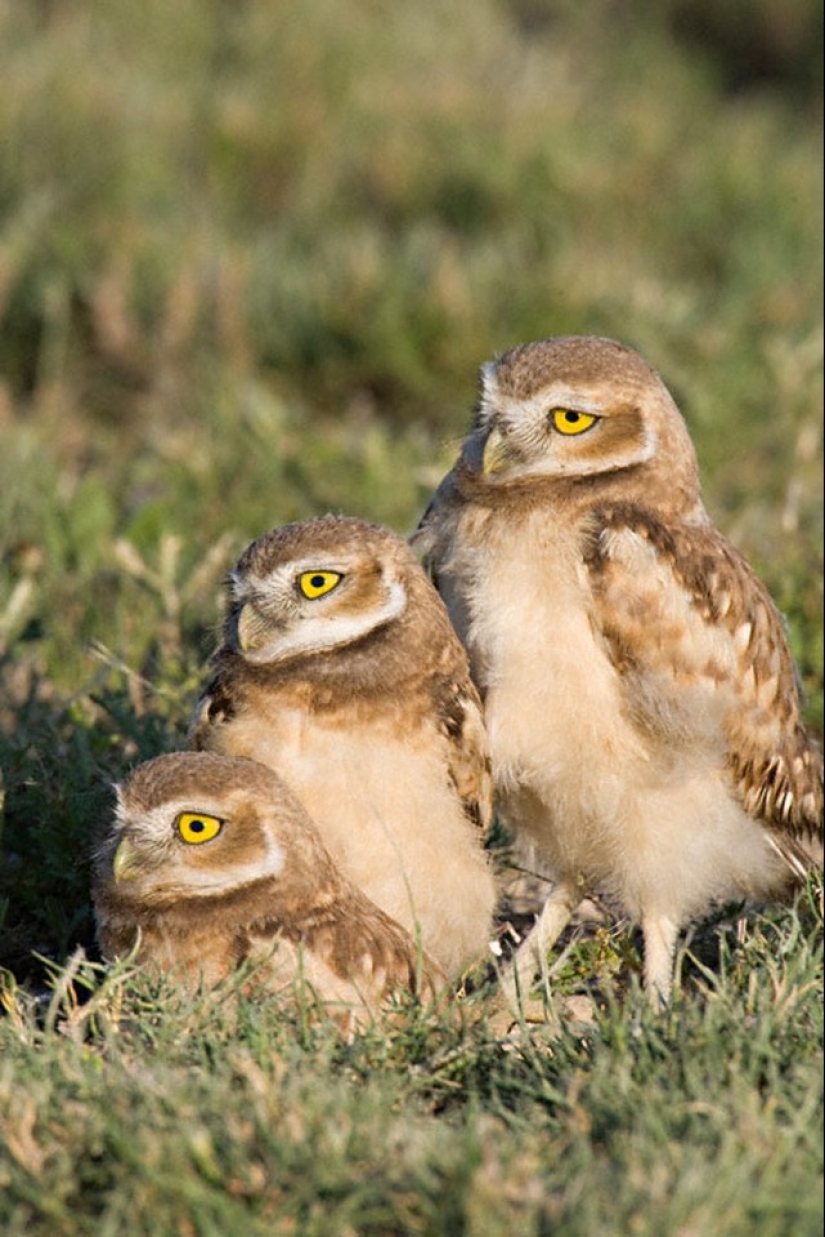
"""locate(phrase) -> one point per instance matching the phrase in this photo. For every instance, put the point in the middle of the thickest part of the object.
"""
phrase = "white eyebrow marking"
(272, 864)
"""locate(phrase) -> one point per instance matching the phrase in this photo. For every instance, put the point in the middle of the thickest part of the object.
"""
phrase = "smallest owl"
(210, 861)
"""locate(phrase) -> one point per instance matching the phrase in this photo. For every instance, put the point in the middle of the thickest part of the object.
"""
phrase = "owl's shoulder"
(632, 553)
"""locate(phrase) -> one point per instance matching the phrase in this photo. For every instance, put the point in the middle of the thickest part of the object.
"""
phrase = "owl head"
(322, 585)
(210, 860)
(579, 409)
(201, 830)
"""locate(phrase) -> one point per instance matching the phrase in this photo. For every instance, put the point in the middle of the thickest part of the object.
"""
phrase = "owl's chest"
(523, 603)
(521, 600)
(344, 764)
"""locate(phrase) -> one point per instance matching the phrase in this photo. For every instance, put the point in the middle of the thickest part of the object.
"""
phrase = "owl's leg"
(660, 934)
(529, 958)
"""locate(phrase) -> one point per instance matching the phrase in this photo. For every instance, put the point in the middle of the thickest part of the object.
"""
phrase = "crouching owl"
(211, 861)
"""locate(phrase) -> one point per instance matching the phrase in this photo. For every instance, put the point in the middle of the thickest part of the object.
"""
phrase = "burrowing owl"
(340, 670)
(641, 701)
(210, 860)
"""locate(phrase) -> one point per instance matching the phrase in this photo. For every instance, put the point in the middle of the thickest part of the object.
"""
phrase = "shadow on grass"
(58, 760)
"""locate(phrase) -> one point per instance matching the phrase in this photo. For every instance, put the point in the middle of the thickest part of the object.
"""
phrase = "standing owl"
(210, 861)
(641, 702)
(340, 670)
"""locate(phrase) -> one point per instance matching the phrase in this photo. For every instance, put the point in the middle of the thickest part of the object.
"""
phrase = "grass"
(143, 1112)
(249, 266)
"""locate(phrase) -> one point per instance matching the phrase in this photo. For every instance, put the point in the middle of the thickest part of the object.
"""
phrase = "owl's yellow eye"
(315, 583)
(197, 827)
(568, 421)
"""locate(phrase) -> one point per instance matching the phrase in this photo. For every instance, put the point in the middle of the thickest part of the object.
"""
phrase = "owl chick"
(340, 670)
(210, 860)
(641, 701)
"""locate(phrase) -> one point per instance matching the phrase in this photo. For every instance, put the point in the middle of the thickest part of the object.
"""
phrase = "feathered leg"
(517, 977)
(660, 936)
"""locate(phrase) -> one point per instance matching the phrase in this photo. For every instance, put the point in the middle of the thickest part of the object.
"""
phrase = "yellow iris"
(568, 421)
(315, 583)
(197, 827)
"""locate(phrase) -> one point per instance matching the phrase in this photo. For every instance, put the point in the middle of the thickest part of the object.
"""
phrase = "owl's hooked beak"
(251, 629)
(498, 454)
(125, 864)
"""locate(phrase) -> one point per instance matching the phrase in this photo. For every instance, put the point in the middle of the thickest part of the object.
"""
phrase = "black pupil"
(317, 581)
(197, 826)
(571, 417)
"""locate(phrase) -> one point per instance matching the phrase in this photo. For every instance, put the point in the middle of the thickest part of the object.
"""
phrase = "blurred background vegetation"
(251, 257)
